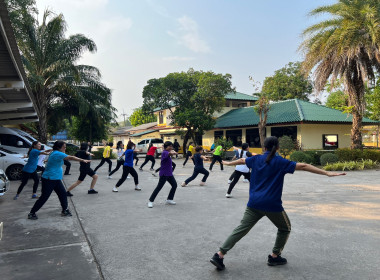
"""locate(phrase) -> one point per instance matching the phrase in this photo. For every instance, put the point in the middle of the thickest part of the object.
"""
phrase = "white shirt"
(41, 159)
(120, 152)
(242, 167)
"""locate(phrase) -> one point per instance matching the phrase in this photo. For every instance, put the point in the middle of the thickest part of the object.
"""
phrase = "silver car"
(4, 183)
(144, 145)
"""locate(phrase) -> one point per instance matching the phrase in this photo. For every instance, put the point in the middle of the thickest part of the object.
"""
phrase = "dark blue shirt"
(129, 158)
(267, 181)
(198, 160)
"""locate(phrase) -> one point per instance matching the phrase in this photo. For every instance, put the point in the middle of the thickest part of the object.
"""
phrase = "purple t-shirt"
(166, 164)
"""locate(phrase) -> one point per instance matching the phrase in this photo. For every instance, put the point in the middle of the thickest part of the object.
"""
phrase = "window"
(285, 130)
(161, 117)
(141, 142)
(253, 138)
(241, 105)
(330, 141)
(235, 136)
(218, 134)
(157, 141)
(12, 140)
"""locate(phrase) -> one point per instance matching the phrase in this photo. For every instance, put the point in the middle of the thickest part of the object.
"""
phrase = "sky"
(138, 40)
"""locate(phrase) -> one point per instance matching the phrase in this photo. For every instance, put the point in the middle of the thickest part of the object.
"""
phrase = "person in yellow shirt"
(189, 153)
(106, 157)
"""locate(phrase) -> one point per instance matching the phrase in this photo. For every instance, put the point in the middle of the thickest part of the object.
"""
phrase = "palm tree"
(346, 46)
(50, 62)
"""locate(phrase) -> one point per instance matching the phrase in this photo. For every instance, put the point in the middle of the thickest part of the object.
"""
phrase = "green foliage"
(316, 155)
(139, 117)
(88, 128)
(98, 154)
(357, 154)
(225, 143)
(328, 158)
(352, 165)
(373, 102)
(337, 100)
(286, 145)
(70, 150)
(288, 83)
(299, 156)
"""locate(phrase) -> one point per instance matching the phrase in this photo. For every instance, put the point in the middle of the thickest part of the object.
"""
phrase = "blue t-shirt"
(129, 158)
(31, 165)
(267, 181)
(198, 161)
(53, 170)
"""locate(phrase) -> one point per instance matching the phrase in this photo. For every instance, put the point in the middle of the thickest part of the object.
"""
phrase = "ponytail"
(271, 144)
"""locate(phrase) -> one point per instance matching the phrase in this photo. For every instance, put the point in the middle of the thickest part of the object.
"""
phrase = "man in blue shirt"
(267, 180)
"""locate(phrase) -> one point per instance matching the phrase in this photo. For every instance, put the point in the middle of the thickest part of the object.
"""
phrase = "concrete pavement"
(335, 224)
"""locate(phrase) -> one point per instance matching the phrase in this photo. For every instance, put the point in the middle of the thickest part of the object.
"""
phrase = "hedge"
(328, 158)
(299, 156)
(347, 154)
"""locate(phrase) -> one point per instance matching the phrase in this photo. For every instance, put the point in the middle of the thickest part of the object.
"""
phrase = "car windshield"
(157, 141)
(7, 151)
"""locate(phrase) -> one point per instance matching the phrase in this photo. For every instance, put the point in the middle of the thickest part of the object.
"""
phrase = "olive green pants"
(250, 218)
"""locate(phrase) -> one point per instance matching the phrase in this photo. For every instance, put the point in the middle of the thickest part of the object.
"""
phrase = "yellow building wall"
(137, 139)
(311, 135)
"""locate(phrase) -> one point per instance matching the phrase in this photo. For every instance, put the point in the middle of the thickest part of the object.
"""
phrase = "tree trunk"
(42, 125)
(262, 135)
(187, 137)
(356, 131)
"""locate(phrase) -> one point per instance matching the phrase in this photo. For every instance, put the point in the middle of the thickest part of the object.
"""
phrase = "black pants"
(148, 158)
(215, 159)
(102, 162)
(188, 154)
(135, 158)
(120, 163)
(173, 167)
(126, 171)
(161, 183)
(246, 176)
(198, 170)
(48, 186)
(24, 179)
(68, 166)
(41, 168)
(236, 179)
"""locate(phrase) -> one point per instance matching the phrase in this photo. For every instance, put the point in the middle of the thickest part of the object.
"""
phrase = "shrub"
(299, 156)
(225, 143)
(351, 165)
(286, 145)
(99, 154)
(372, 155)
(347, 154)
(70, 150)
(328, 158)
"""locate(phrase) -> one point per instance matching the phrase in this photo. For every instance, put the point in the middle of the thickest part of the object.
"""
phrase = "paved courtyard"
(335, 230)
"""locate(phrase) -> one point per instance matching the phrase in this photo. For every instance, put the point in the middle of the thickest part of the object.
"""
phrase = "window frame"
(330, 147)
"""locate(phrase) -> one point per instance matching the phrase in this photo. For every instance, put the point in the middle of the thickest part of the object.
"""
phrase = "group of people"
(265, 173)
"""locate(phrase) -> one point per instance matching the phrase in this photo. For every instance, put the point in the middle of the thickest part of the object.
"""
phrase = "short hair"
(83, 146)
(58, 145)
(130, 145)
(167, 144)
(198, 149)
(110, 144)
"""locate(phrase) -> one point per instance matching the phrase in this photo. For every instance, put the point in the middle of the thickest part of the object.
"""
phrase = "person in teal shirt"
(217, 156)
(52, 180)
(30, 169)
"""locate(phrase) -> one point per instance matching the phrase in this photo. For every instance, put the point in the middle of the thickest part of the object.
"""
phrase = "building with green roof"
(314, 126)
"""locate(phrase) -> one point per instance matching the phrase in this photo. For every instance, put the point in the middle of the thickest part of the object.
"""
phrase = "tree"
(346, 46)
(139, 117)
(373, 102)
(57, 81)
(286, 145)
(192, 97)
(288, 83)
(337, 100)
(225, 143)
(262, 108)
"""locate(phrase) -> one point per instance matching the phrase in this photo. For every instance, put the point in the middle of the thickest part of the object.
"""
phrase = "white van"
(143, 145)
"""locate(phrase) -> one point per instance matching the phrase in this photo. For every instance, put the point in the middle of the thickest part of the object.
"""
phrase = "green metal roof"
(143, 133)
(240, 96)
(288, 111)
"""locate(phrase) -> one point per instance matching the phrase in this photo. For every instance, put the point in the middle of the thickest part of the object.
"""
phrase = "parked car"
(12, 163)
(4, 183)
(68, 145)
(144, 145)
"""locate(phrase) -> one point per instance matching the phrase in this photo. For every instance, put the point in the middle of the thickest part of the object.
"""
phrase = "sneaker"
(137, 188)
(154, 174)
(229, 181)
(276, 261)
(151, 169)
(66, 213)
(183, 184)
(202, 184)
(228, 195)
(109, 177)
(34, 196)
(92, 191)
(170, 202)
(16, 196)
(246, 181)
(32, 216)
(150, 204)
(115, 189)
(218, 262)
(140, 169)
(183, 166)
(67, 174)
(128, 177)
(69, 194)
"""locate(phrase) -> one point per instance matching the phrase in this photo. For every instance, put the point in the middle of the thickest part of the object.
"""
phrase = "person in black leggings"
(106, 158)
(149, 157)
(52, 180)
(189, 154)
(198, 168)
(120, 158)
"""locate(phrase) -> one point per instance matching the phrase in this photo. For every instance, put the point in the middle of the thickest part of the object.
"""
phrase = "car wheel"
(14, 172)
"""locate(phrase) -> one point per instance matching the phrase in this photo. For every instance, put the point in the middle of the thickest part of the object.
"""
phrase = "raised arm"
(316, 170)
(235, 162)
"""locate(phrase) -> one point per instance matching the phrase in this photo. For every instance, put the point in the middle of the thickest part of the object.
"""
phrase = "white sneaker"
(229, 181)
(137, 188)
(246, 181)
(109, 177)
(202, 184)
(128, 177)
(183, 184)
(115, 189)
(170, 202)
(150, 204)
(228, 195)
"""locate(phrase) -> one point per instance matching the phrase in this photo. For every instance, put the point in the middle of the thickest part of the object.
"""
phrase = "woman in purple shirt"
(166, 174)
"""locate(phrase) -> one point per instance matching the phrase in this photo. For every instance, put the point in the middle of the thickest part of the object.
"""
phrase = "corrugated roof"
(240, 96)
(288, 111)
(143, 132)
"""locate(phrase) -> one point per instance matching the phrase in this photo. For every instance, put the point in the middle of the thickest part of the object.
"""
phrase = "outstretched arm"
(77, 159)
(235, 162)
(316, 170)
